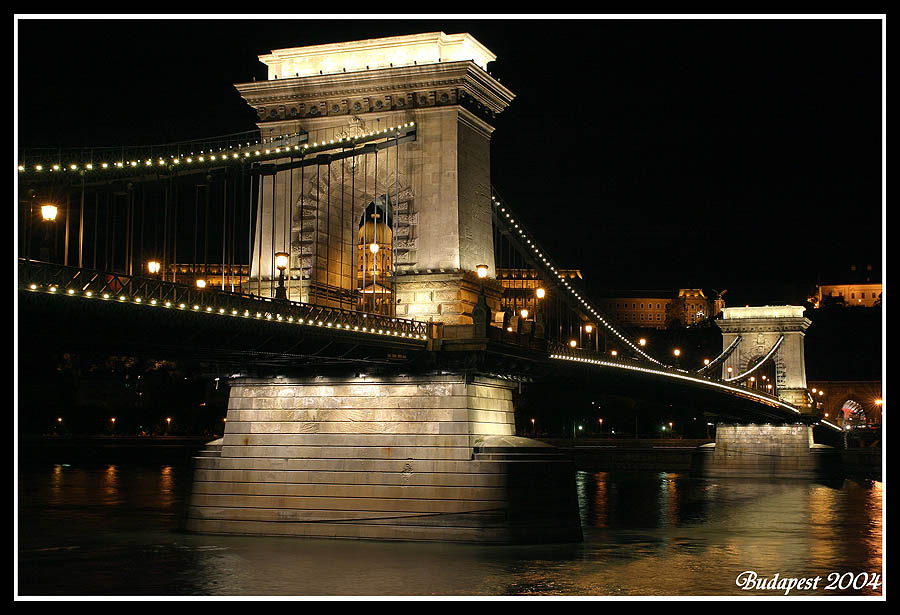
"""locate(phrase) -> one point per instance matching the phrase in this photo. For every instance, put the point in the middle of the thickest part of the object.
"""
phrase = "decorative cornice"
(765, 325)
(467, 77)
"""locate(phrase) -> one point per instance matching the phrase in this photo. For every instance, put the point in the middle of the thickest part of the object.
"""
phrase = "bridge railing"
(104, 285)
(557, 350)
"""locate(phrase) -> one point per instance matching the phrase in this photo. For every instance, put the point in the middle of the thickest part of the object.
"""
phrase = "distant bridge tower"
(435, 192)
(760, 329)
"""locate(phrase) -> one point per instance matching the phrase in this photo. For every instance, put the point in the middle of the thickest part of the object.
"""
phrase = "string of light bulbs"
(543, 259)
(243, 153)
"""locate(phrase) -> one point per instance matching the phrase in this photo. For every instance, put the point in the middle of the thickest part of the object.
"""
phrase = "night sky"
(651, 154)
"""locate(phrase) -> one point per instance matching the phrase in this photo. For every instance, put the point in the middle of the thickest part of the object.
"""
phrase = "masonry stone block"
(344, 452)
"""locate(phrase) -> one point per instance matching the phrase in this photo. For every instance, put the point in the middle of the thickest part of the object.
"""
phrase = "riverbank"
(110, 449)
(680, 455)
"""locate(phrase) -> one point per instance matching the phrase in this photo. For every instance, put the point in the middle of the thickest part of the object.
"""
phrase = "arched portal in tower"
(374, 257)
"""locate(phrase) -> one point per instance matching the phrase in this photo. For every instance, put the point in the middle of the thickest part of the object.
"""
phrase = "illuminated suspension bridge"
(374, 300)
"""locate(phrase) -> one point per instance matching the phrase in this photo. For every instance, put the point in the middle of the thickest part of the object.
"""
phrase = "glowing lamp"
(48, 212)
(540, 292)
(642, 342)
(523, 313)
(153, 267)
(588, 328)
(373, 248)
(573, 343)
(482, 270)
(615, 353)
(705, 361)
(677, 352)
(281, 260)
(201, 283)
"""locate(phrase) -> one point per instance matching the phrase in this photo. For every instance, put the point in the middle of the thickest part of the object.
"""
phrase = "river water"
(114, 530)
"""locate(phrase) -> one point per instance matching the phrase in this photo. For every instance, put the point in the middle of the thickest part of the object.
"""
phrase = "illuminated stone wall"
(425, 458)
(769, 451)
(440, 182)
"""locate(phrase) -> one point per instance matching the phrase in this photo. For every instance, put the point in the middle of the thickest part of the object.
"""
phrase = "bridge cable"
(758, 364)
(722, 356)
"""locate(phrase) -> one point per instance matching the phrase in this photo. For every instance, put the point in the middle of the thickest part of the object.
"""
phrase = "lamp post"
(281, 263)
(153, 267)
(373, 248)
(48, 215)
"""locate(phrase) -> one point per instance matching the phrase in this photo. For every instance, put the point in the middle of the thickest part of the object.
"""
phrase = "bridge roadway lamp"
(539, 292)
(572, 343)
(523, 313)
(481, 270)
(201, 283)
(48, 212)
(281, 263)
(153, 267)
(588, 328)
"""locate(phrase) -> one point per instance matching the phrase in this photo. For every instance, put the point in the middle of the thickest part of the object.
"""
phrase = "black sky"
(652, 154)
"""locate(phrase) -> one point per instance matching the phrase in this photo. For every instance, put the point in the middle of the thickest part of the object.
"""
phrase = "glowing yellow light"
(48, 212)
(642, 342)
(588, 328)
(676, 352)
(153, 267)
(523, 313)
(540, 292)
(482, 270)
(878, 402)
(373, 248)
(281, 260)
(201, 283)
(573, 343)
(705, 361)
(615, 353)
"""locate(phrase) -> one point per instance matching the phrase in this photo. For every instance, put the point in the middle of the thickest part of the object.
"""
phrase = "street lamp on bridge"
(281, 263)
(48, 214)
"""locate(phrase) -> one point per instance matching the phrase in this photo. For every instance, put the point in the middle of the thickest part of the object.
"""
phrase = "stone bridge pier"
(430, 457)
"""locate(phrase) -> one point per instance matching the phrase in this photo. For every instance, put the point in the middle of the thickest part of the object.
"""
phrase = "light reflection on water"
(114, 530)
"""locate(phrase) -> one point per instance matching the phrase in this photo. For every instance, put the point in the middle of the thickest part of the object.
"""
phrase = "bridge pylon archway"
(761, 328)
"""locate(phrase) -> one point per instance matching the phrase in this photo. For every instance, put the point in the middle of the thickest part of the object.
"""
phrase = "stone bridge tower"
(423, 454)
(760, 329)
(439, 187)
